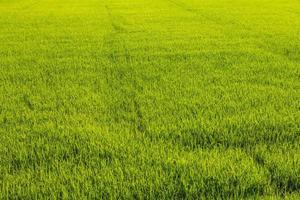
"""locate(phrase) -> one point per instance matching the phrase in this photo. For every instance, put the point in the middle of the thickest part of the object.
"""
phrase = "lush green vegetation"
(156, 99)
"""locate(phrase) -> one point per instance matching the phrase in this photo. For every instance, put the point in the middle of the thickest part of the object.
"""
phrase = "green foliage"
(161, 99)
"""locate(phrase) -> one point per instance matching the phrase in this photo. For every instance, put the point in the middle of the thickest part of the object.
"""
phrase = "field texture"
(149, 99)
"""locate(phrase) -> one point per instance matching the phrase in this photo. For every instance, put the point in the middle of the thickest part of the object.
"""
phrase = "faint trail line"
(116, 27)
(140, 123)
(182, 5)
(290, 54)
(260, 161)
(124, 74)
(213, 19)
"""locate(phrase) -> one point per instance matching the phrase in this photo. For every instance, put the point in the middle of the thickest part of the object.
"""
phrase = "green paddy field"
(149, 99)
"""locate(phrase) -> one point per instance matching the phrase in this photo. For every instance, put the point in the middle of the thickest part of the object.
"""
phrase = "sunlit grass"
(142, 99)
